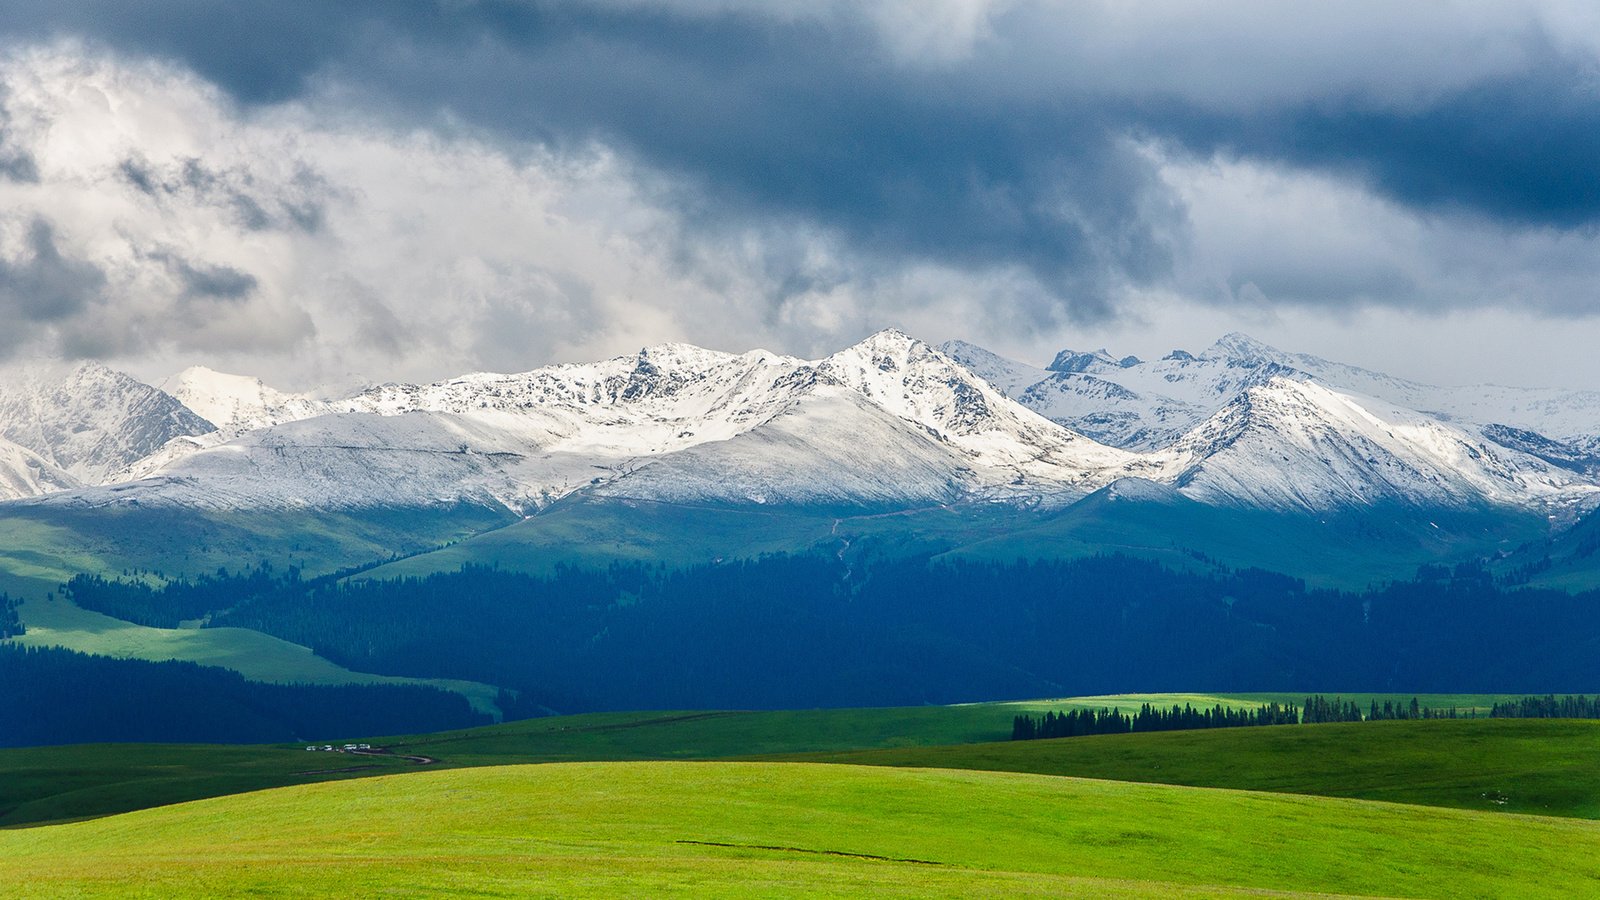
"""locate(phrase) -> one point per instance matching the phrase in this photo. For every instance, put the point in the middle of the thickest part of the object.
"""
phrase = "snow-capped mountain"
(1563, 415)
(1292, 444)
(238, 403)
(890, 419)
(888, 422)
(24, 473)
(86, 422)
(1141, 405)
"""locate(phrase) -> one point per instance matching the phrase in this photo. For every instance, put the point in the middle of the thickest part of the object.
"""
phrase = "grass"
(750, 829)
(1536, 766)
(259, 657)
(49, 784)
(579, 532)
(57, 541)
(52, 784)
(714, 734)
(55, 783)
(1349, 550)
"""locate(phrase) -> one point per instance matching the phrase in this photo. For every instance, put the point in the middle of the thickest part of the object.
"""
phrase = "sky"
(330, 193)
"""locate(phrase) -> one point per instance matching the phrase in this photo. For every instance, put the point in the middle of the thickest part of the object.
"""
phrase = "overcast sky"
(408, 189)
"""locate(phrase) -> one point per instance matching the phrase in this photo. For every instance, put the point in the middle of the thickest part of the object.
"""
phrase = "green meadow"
(1492, 765)
(774, 829)
(1536, 766)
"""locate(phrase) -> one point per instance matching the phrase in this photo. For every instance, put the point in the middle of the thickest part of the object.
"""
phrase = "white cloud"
(1269, 235)
(392, 254)
(309, 245)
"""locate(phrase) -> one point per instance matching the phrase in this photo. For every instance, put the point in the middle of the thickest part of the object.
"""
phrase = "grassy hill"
(56, 783)
(1536, 766)
(748, 829)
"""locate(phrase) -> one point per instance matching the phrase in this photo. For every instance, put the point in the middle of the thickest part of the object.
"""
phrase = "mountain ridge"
(889, 420)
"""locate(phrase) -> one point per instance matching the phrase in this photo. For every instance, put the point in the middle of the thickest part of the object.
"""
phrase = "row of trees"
(1548, 707)
(1317, 709)
(1150, 718)
(10, 624)
(1072, 723)
(1079, 722)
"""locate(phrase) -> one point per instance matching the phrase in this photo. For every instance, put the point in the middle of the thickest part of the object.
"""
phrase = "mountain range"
(896, 522)
(891, 422)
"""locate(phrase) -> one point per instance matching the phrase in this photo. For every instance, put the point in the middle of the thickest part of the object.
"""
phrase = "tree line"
(1317, 710)
(811, 630)
(1078, 722)
(56, 696)
(1548, 707)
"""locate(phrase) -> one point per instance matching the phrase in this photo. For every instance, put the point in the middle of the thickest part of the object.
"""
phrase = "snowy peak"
(1240, 347)
(88, 420)
(1293, 444)
(912, 380)
(926, 387)
(238, 403)
(888, 420)
(1073, 361)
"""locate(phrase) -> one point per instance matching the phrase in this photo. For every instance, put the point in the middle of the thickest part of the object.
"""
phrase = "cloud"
(40, 285)
(414, 188)
(205, 281)
(1266, 235)
(16, 164)
(983, 135)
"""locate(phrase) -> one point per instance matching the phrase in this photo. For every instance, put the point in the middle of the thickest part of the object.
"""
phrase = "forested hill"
(799, 631)
(52, 696)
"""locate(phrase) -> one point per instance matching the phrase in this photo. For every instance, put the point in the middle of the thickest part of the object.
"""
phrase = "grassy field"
(54, 783)
(258, 657)
(745, 829)
(709, 735)
(1536, 766)
(49, 784)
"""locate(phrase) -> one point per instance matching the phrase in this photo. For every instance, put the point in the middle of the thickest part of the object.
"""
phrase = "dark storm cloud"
(253, 207)
(994, 159)
(211, 282)
(43, 285)
(760, 117)
(1524, 150)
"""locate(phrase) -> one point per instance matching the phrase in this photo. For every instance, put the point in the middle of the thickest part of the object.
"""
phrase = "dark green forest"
(798, 631)
(10, 625)
(54, 696)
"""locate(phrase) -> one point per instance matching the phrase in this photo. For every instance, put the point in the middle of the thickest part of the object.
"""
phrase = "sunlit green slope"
(729, 829)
